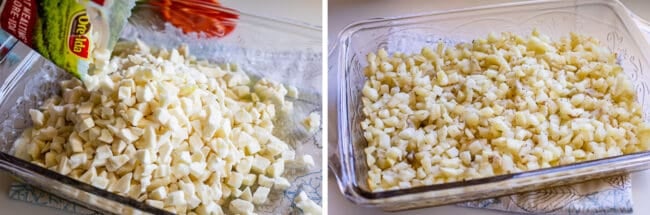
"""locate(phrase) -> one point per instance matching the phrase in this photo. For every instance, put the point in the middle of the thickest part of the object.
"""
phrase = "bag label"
(18, 19)
(78, 42)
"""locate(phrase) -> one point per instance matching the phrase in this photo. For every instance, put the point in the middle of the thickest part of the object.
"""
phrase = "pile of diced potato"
(498, 105)
(161, 127)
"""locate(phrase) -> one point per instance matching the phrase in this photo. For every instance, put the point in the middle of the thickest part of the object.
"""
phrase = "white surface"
(308, 11)
(343, 12)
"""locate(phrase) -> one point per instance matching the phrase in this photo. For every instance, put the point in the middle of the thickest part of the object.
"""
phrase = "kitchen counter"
(343, 12)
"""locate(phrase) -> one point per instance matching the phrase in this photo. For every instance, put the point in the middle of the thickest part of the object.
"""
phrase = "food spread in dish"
(498, 105)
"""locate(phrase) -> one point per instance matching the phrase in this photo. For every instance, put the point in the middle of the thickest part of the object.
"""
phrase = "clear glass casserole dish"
(608, 21)
(285, 51)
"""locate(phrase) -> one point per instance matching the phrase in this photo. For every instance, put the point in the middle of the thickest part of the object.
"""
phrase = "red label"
(18, 18)
(99, 2)
(78, 42)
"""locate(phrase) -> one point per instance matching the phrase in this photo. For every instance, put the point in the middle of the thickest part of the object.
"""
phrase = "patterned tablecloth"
(611, 195)
(604, 196)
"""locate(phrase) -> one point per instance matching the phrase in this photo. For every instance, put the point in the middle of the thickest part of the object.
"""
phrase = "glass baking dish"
(280, 50)
(608, 21)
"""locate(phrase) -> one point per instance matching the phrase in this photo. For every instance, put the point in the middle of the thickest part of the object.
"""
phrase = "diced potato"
(158, 126)
(495, 106)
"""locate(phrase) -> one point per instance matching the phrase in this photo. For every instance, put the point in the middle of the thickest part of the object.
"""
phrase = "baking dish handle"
(643, 25)
(333, 156)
